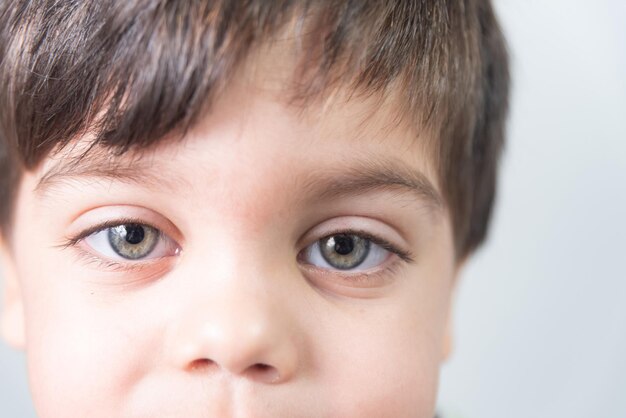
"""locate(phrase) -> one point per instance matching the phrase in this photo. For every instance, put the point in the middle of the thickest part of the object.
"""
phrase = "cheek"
(83, 351)
(81, 362)
(82, 354)
(383, 365)
(383, 358)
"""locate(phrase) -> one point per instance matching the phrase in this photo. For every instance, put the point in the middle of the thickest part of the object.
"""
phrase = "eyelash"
(113, 265)
(103, 263)
(110, 265)
(381, 242)
(72, 241)
(363, 277)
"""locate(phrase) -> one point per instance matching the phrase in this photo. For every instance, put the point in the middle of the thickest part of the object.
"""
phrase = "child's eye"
(346, 251)
(131, 241)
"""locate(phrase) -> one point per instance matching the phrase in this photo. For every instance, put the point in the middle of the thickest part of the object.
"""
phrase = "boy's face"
(271, 289)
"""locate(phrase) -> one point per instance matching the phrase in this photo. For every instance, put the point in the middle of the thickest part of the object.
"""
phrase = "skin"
(229, 319)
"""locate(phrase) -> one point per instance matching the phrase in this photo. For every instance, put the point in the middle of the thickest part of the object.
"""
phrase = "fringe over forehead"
(133, 71)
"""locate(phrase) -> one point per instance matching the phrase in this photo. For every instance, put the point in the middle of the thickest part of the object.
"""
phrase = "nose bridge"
(236, 323)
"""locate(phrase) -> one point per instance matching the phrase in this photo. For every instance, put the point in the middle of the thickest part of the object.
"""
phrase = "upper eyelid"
(110, 224)
(130, 220)
(102, 216)
(406, 255)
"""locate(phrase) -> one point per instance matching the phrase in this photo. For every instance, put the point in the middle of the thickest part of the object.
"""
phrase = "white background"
(541, 310)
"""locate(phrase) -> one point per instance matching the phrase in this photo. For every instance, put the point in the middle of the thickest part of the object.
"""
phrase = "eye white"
(100, 243)
(375, 256)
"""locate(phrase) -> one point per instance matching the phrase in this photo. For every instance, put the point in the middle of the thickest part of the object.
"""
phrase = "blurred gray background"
(541, 310)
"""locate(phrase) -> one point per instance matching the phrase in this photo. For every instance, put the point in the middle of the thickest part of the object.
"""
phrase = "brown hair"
(134, 71)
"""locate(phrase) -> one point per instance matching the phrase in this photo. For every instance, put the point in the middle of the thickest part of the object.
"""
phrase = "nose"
(237, 332)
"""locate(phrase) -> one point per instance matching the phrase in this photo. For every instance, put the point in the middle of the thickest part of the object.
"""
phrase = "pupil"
(134, 234)
(343, 244)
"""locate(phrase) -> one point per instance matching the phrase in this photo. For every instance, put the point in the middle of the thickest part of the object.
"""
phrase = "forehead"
(268, 94)
(346, 143)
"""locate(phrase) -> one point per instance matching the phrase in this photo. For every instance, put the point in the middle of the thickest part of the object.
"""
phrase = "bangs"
(133, 72)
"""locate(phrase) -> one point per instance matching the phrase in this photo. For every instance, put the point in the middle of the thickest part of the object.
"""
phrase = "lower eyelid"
(112, 265)
(126, 275)
(374, 279)
(100, 262)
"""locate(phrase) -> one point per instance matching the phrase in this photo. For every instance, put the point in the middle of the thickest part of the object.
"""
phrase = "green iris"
(344, 251)
(133, 241)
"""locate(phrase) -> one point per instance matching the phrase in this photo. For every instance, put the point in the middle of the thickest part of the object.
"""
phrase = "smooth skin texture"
(231, 314)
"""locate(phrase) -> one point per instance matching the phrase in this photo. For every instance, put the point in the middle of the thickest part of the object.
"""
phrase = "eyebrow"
(137, 172)
(369, 175)
(355, 178)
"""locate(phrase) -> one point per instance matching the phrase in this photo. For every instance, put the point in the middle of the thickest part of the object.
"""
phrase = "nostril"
(263, 372)
(202, 365)
(259, 372)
